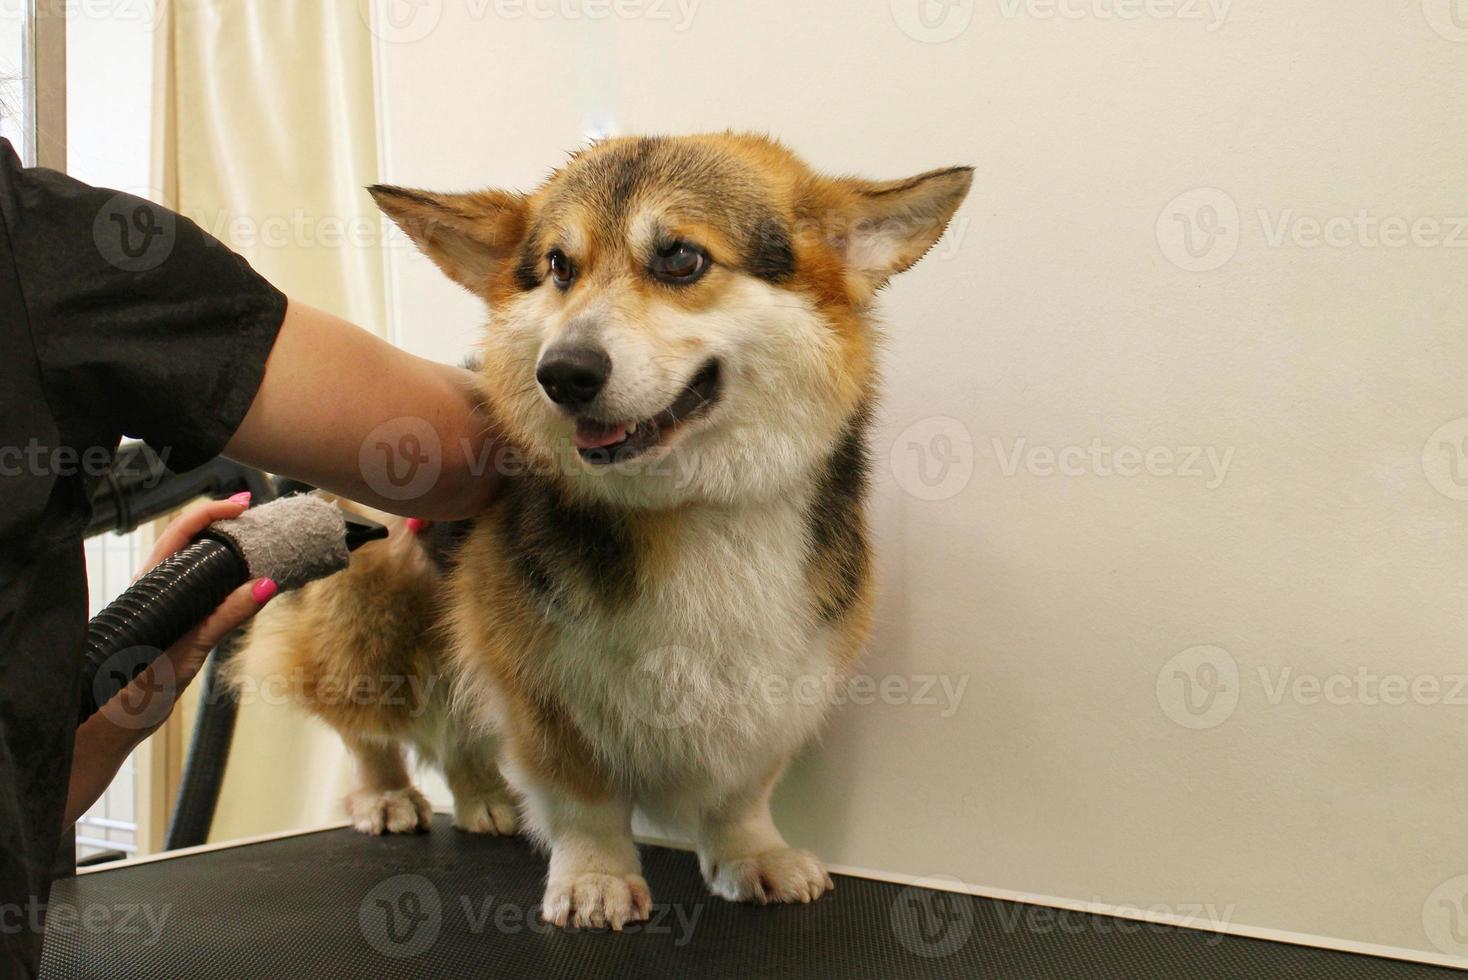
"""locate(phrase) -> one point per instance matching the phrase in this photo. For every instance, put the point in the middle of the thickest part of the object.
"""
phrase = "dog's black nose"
(572, 375)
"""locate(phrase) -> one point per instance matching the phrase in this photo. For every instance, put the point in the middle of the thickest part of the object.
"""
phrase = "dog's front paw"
(596, 900)
(785, 874)
(485, 815)
(392, 811)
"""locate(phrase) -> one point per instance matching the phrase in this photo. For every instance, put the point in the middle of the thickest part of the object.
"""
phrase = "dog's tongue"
(595, 435)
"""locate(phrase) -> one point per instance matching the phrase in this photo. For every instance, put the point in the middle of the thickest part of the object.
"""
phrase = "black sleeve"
(143, 324)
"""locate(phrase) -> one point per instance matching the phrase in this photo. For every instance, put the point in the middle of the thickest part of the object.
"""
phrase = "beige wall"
(1066, 314)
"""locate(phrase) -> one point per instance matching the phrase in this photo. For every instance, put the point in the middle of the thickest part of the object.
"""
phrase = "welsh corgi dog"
(680, 366)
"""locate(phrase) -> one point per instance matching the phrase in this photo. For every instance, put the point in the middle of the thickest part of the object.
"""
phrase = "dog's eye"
(562, 271)
(679, 263)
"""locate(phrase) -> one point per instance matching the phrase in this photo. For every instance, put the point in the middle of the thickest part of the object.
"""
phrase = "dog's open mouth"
(601, 443)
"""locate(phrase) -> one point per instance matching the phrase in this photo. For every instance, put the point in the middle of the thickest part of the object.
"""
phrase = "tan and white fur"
(363, 652)
(680, 366)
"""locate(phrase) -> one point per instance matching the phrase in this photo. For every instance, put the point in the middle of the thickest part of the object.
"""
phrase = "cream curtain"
(265, 135)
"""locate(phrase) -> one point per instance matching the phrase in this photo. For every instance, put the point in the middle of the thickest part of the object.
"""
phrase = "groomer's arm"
(330, 385)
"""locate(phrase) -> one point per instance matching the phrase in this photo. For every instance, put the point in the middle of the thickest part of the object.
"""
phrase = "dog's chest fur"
(687, 647)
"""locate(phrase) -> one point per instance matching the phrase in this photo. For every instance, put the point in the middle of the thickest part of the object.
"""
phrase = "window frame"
(43, 83)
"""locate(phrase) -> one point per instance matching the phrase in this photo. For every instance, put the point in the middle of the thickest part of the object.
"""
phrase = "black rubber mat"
(451, 904)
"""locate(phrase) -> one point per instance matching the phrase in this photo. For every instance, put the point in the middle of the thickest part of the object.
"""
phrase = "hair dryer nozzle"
(360, 530)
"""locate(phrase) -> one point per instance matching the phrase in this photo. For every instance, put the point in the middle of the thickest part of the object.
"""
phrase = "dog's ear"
(889, 225)
(468, 236)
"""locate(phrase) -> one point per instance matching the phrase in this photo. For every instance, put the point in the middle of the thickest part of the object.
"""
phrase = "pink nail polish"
(264, 590)
(242, 498)
(416, 525)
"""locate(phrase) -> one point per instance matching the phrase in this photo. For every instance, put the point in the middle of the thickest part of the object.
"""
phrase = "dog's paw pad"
(786, 874)
(596, 900)
(485, 816)
(392, 811)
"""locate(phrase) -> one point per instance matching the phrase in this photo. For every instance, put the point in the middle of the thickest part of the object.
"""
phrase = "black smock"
(117, 318)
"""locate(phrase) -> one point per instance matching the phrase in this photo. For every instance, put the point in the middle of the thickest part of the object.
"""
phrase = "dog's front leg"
(595, 876)
(384, 799)
(744, 858)
(483, 802)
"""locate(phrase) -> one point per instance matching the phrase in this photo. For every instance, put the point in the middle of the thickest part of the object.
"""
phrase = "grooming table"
(336, 903)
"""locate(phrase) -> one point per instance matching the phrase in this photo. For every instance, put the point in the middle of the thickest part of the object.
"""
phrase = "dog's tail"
(354, 648)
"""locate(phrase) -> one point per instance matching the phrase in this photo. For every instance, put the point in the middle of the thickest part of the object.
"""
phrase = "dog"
(680, 366)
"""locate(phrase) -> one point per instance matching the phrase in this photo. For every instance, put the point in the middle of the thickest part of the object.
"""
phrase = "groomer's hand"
(187, 656)
(105, 739)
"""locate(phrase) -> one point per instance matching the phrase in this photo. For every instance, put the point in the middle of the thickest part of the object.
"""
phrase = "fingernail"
(416, 525)
(242, 498)
(264, 590)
